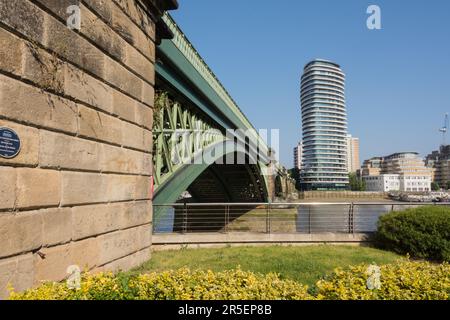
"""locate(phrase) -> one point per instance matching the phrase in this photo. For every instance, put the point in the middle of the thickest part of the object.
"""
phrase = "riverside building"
(324, 125)
(405, 172)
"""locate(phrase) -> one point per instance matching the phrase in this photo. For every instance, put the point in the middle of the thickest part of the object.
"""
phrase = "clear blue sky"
(398, 78)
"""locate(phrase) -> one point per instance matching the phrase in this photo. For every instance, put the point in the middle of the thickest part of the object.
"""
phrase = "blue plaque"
(9, 143)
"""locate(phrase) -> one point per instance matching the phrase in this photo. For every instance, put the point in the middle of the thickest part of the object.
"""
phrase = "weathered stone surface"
(83, 188)
(139, 64)
(148, 94)
(123, 79)
(24, 17)
(28, 104)
(20, 233)
(144, 116)
(42, 68)
(136, 13)
(17, 272)
(120, 160)
(8, 178)
(57, 226)
(85, 253)
(128, 262)
(97, 125)
(119, 244)
(136, 214)
(132, 136)
(99, 32)
(73, 47)
(86, 88)
(121, 187)
(10, 52)
(38, 188)
(53, 264)
(124, 106)
(143, 188)
(94, 220)
(66, 152)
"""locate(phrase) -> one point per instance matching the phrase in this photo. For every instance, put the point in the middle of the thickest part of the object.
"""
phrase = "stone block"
(57, 226)
(8, 178)
(67, 152)
(121, 188)
(38, 188)
(10, 52)
(24, 17)
(100, 126)
(90, 221)
(86, 88)
(124, 106)
(83, 188)
(30, 105)
(20, 233)
(120, 160)
(52, 264)
(85, 253)
(16, 272)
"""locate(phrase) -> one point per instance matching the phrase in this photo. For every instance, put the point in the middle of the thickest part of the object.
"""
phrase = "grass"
(303, 264)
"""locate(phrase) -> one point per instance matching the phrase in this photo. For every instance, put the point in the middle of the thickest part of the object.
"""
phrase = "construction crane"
(444, 130)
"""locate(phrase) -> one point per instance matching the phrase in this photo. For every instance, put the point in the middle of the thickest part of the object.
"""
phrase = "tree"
(295, 174)
(435, 186)
(448, 185)
(356, 183)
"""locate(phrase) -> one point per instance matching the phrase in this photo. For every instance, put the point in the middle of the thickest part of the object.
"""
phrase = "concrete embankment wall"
(78, 193)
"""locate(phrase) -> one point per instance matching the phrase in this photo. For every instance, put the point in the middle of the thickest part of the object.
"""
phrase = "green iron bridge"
(194, 114)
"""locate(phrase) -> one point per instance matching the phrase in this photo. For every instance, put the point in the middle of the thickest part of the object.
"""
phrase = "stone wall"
(79, 192)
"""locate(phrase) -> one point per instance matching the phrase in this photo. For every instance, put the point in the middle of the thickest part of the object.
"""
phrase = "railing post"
(227, 218)
(351, 227)
(185, 218)
(268, 226)
(309, 220)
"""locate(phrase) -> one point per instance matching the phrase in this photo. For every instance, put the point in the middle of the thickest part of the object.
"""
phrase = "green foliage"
(356, 183)
(295, 174)
(435, 186)
(182, 284)
(421, 232)
(405, 280)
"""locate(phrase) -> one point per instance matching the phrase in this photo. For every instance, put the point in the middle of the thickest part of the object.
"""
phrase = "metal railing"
(273, 218)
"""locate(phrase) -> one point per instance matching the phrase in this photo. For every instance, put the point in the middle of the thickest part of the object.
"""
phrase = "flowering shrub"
(173, 285)
(401, 281)
(404, 280)
(421, 232)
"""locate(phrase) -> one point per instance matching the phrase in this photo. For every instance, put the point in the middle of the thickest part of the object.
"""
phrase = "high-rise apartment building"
(298, 155)
(324, 122)
(353, 164)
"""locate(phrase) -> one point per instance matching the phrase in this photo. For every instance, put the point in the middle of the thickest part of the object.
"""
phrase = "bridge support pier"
(81, 104)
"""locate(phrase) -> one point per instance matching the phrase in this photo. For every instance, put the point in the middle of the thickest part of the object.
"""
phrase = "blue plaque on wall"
(9, 143)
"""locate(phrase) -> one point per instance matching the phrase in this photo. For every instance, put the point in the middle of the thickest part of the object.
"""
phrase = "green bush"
(182, 284)
(404, 280)
(422, 232)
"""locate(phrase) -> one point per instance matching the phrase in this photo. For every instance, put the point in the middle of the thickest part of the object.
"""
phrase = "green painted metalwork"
(179, 135)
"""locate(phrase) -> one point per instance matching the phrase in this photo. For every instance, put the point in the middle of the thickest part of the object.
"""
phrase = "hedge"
(404, 280)
(422, 232)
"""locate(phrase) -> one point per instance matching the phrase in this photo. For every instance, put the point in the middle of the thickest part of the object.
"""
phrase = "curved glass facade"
(324, 122)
